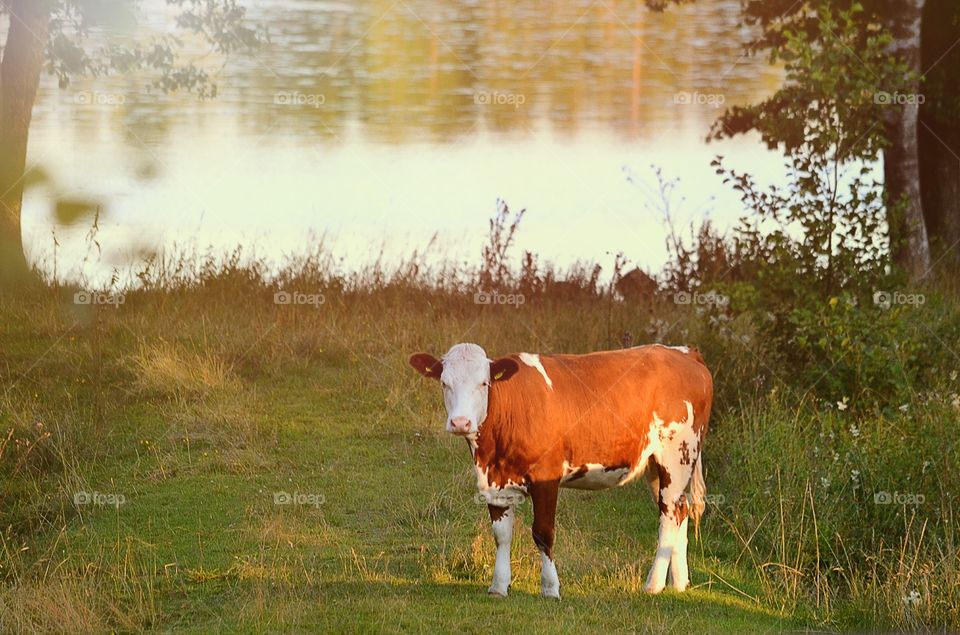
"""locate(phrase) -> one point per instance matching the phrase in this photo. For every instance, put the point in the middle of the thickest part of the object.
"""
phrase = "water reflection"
(299, 136)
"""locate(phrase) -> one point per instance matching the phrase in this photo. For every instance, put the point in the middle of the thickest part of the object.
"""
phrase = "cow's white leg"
(502, 524)
(666, 539)
(672, 537)
(678, 560)
(549, 581)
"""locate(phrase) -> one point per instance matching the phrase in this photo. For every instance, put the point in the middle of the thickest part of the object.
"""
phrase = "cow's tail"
(698, 492)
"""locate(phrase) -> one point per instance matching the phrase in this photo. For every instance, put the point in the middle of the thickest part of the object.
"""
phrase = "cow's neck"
(503, 414)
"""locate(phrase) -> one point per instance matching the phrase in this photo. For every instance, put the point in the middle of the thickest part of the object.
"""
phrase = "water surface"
(384, 123)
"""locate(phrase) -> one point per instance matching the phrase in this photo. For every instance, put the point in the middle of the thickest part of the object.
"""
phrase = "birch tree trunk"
(901, 159)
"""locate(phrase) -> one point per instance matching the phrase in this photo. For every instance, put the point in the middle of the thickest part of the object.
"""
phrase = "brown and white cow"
(536, 423)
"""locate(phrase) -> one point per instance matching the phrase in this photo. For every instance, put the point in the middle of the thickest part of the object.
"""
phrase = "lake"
(381, 124)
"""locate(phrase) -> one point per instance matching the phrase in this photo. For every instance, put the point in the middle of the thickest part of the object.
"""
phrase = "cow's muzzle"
(460, 426)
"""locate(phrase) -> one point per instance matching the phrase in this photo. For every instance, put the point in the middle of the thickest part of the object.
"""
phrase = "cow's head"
(465, 373)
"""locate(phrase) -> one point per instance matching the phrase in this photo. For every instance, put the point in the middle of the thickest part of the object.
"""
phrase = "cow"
(536, 423)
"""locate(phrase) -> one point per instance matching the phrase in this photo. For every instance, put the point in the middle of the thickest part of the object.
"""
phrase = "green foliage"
(840, 74)
(806, 263)
(809, 267)
(77, 45)
(821, 110)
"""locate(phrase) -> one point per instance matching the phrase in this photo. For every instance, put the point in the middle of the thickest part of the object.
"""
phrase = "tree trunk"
(20, 69)
(940, 132)
(901, 162)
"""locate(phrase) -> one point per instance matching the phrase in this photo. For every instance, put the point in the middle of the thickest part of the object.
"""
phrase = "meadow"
(200, 455)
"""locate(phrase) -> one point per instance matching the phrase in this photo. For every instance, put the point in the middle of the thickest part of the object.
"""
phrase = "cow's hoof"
(652, 589)
(680, 588)
(496, 593)
(550, 593)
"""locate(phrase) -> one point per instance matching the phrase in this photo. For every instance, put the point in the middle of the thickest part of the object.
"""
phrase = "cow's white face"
(466, 388)
(465, 374)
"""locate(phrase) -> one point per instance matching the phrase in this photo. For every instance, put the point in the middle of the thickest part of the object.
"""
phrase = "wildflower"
(825, 482)
(904, 407)
(913, 598)
(842, 405)
(855, 476)
(854, 431)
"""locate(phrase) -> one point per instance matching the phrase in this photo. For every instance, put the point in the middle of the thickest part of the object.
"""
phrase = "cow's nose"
(460, 425)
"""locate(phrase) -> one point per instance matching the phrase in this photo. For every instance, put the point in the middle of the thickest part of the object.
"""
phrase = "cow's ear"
(427, 365)
(503, 369)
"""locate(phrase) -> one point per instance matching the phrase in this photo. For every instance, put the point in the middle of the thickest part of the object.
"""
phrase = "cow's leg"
(674, 475)
(679, 573)
(653, 480)
(544, 495)
(501, 519)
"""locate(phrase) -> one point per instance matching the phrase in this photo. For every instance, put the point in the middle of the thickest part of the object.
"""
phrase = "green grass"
(399, 542)
(199, 405)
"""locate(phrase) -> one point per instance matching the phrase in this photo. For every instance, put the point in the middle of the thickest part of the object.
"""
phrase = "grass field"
(201, 459)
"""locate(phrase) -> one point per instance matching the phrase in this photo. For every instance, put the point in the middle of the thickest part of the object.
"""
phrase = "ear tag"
(499, 375)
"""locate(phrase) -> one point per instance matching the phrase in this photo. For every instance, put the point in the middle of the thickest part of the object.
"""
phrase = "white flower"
(854, 431)
(825, 482)
(842, 405)
(904, 407)
(855, 475)
(913, 598)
